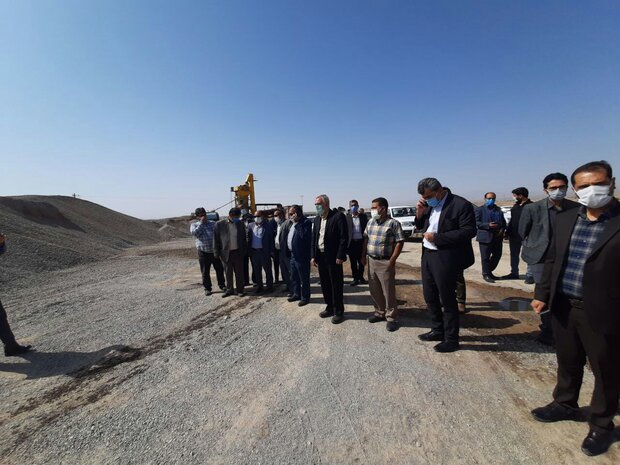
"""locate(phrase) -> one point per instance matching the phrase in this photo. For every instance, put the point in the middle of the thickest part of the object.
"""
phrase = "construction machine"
(245, 198)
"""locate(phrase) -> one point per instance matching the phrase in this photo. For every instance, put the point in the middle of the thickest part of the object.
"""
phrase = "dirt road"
(134, 365)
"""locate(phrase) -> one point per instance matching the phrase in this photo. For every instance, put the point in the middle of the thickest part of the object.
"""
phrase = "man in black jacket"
(329, 251)
(580, 287)
(521, 196)
(449, 225)
(356, 224)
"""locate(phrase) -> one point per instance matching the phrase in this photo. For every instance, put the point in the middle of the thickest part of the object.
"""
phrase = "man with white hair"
(329, 251)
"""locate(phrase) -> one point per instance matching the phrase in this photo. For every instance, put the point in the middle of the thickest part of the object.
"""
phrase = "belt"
(427, 250)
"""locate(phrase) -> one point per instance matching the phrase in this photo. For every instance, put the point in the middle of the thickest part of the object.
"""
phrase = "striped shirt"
(203, 232)
(585, 235)
(382, 237)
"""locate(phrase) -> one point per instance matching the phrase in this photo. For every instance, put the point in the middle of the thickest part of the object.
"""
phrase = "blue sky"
(154, 108)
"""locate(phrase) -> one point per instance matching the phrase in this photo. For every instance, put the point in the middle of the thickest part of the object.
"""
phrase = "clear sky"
(154, 108)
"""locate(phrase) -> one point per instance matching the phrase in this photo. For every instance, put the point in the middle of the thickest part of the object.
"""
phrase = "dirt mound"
(47, 233)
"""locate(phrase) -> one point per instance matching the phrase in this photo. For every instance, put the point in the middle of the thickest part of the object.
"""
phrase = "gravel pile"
(54, 232)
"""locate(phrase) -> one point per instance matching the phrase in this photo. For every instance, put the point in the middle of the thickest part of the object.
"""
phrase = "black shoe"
(269, 290)
(336, 319)
(208, 292)
(510, 276)
(254, 285)
(355, 282)
(258, 290)
(326, 313)
(447, 346)
(597, 442)
(293, 298)
(556, 412)
(241, 294)
(363, 281)
(391, 326)
(222, 287)
(431, 336)
(496, 278)
(227, 294)
(375, 319)
(488, 278)
(16, 350)
(529, 280)
(302, 303)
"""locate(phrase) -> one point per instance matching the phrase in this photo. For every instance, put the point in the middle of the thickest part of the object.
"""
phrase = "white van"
(405, 215)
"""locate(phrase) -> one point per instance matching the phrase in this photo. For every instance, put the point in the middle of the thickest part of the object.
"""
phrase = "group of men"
(572, 251)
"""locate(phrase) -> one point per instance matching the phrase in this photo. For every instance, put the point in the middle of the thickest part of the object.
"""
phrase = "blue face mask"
(319, 210)
(433, 202)
(490, 202)
(354, 209)
(236, 220)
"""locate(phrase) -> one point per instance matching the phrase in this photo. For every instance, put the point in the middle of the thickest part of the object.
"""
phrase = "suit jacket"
(302, 240)
(267, 239)
(283, 237)
(512, 230)
(221, 239)
(363, 222)
(457, 227)
(336, 237)
(484, 215)
(601, 292)
(535, 230)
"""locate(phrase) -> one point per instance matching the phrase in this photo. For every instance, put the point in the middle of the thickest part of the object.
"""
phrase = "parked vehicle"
(405, 215)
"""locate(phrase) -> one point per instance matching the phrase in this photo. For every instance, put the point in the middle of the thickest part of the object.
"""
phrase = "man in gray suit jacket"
(536, 228)
(230, 245)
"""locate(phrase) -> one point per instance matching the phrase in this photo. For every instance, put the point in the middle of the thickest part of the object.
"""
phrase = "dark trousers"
(439, 287)
(355, 256)
(515, 250)
(285, 267)
(206, 260)
(276, 265)
(261, 261)
(300, 278)
(575, 341)
(461, 289)
(234, 265)
(246, 270)
(490, 254)
(6, 335)
(331, 277)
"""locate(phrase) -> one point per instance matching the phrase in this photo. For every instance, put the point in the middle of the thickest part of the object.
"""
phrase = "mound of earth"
(52, 232)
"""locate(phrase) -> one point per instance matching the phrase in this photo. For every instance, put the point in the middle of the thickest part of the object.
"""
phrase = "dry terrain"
(135, 365)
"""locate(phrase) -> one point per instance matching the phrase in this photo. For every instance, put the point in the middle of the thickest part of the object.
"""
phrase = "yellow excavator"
(245, 198)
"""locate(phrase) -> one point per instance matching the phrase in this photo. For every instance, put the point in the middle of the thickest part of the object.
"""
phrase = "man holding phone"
(490, 236)
(11, 347)
(449, 224)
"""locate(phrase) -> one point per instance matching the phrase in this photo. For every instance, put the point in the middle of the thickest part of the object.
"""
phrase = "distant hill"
(52, 232)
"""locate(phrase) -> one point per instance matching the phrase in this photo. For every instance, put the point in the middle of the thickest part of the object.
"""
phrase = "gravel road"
(134, 365)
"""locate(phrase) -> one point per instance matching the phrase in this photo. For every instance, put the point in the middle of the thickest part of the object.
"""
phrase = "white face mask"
(557, 194)
(594, 196)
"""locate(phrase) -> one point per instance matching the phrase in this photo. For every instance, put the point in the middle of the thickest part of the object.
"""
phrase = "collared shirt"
(257, 235)
(291, 234)
(357, 228)
(203, 232)
(585, 235)
(322, 234)
(553, 213)
(278, 234)
(382, 237)
(232, 235)
(433, 223)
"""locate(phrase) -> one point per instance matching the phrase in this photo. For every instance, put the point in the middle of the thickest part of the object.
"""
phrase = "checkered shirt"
(382, 237)
(585, 235)
(203, 232)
